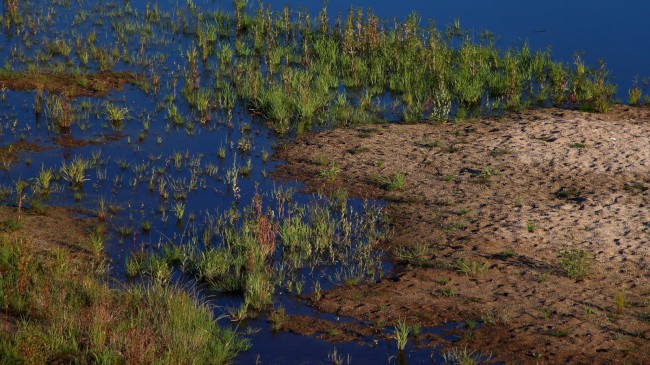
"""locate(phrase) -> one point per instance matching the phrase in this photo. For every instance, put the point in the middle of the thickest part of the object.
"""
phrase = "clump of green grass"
(115, 114)
(547, 313)
(619, 301)
(58, 109)
(75, 172)
(464, 356)
(43, 180)
(634, 95)
(419, 254)
(577, 264)
(531, 226)
(259, 289)
(447, 292)
(391, 183)
(396, 182)
(471, 267)
(10, 225)
(330, 173)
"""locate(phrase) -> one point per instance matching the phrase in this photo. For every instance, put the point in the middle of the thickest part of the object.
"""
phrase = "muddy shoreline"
(486, 218)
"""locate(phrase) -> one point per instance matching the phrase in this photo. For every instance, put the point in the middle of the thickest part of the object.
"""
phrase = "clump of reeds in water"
(297, 70)
(253, 250)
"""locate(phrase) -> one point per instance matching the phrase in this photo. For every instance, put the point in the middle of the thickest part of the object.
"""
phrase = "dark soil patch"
(52, 228)
(67, 141)
(9, 153)
(331, 331)
(71, 85)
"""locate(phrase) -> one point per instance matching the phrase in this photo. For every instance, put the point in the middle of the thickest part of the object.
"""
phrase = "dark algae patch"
(69, 84)
(10, 153)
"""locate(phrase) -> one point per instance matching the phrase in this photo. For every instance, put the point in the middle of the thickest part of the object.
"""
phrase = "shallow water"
(149, 142)
(601, 29)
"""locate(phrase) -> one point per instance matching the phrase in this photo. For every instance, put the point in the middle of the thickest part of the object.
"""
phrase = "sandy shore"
(512, 194)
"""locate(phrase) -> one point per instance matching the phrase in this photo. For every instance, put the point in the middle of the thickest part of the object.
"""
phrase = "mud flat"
(535, 225)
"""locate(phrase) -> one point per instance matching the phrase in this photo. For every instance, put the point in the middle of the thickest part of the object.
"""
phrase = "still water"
(615, 32)
(597, 28)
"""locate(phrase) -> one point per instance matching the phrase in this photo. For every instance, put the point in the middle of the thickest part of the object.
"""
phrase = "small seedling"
(558, 332)
(619, 301)
(470, 324)
(447, 292)
(396, 182)
(578, 145)
(542, 277)
(530, 227)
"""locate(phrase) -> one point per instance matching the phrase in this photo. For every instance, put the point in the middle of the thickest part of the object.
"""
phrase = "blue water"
(600, 30)
(614, 32)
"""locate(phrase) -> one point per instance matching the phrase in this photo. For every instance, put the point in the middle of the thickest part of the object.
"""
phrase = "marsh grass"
(43, 180)
(278, 318)
(297, 74)
(634, 95)
(59, 111)
(74, 172)
(395, 182)
(80, 317)
(259, 250)
(418, 255)
(115, 114)
(287, 71)
(465, 356)
(402, 331)
(330, 173)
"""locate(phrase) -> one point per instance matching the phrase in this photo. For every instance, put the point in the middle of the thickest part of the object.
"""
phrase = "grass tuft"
(577, 264)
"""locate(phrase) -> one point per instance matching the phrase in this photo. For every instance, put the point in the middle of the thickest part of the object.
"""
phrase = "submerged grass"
(297, 73)
(258, 250)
